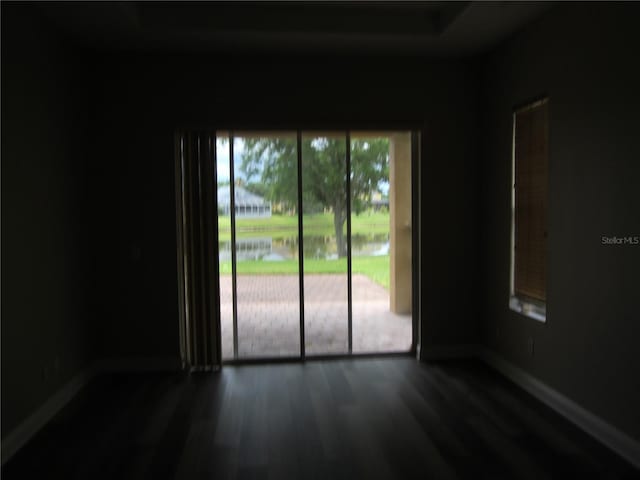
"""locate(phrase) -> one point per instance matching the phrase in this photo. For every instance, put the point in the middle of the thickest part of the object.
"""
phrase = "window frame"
(524, 305)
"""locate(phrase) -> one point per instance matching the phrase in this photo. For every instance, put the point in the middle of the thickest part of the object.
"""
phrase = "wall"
(144, 98)
(583, 57)
(46, 271)
(88, 206)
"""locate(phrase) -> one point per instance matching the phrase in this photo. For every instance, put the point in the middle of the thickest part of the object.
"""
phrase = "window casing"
(530, 153)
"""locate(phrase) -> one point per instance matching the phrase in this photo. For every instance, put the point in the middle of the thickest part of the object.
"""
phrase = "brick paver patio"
(269, 316)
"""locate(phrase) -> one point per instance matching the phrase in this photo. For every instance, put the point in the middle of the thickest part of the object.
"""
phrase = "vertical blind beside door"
(197, 237)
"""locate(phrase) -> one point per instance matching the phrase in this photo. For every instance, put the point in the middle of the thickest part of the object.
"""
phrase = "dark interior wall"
(45, 268)
(144, 98)
(584, 58)
(88, 206)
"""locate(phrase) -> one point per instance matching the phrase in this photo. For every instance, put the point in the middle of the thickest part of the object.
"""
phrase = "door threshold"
(312, 358)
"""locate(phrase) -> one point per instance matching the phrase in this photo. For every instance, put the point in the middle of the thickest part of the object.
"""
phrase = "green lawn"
(278, 226)
(287, 225)
(376, 268)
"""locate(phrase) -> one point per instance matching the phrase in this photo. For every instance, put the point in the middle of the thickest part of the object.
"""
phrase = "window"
(529, 210)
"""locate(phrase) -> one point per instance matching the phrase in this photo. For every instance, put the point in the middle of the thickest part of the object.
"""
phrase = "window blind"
(531, 152)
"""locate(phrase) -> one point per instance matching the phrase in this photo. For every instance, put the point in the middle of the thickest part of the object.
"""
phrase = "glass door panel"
(266, 221)
(224, 244)
(381, 242)
(324, 204)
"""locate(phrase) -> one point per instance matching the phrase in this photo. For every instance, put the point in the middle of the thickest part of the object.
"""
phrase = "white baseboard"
(20, 435)
(619, 442)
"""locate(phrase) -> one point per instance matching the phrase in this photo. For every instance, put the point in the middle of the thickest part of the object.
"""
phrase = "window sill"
(537, 311)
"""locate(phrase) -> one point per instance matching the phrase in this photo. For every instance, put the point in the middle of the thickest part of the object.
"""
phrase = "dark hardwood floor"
(335, 419)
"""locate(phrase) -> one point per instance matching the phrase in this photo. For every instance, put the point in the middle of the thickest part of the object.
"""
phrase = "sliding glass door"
(381, 241)
(326, 275)
(315, 243)
(225, 251)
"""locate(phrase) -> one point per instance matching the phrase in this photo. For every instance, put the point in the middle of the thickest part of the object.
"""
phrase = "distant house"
(379, 202)
(247, 204)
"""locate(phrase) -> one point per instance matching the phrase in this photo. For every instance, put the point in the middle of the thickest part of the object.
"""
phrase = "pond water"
(276, 249)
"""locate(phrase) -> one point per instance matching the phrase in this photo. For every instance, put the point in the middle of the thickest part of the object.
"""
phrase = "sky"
(222, 156)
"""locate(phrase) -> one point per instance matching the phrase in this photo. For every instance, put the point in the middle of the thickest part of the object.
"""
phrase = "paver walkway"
(269, 316)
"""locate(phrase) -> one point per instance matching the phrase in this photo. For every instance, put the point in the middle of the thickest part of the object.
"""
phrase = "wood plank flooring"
(374, 418)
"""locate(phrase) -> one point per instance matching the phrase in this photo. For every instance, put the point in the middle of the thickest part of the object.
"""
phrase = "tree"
(273, 162)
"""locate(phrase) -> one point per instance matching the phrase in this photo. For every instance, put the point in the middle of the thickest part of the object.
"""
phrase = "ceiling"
(364, 27)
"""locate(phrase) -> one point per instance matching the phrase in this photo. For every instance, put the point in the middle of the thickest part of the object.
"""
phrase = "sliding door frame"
(234, 272)
(416, 138)
(349, 264)
(300, 244)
